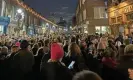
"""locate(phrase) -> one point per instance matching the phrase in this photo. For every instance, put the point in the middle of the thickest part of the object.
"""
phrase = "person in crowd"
(126, 61)
(65, 46)
(4, 53)
(46, 56)
(23, 62)
(55, 69)
(120, 38)
(14, 50)
(108, 58)
(3, 66)
(75, 56)
(9, 61)
(73, 39)
(38, 58)
(102, 44)
(59, 41)
(121, 51)
(87, 75)
(118, 43)
(42, 43)
(35, 48)
(126, 40)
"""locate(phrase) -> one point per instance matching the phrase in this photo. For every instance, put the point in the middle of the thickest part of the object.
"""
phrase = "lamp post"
(48, 27)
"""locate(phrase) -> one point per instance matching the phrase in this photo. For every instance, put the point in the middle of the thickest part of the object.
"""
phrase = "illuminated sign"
(128, 9)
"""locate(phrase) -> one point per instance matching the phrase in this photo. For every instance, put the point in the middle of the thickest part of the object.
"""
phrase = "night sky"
(60, 8)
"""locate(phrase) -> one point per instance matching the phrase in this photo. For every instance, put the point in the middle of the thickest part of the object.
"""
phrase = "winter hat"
(56, 51)
(17, 44)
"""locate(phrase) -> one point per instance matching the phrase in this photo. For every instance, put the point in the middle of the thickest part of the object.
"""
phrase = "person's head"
(127, 59)
(46, 43)
(128, 49)
(14, 49)
(130, 72)
(108, 52)
(59, 40)
(57, 52)
(24, 44)
(73, 39)
(74, 49)
(121, 50)
(40, 44)
(46, 49)
(86, 75)
(4, 49)
(35, 46)
(40, 52)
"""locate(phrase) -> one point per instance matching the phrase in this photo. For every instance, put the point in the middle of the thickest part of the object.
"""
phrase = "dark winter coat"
(55, 71)
(79, 64)
(22, 64)
(34, 50)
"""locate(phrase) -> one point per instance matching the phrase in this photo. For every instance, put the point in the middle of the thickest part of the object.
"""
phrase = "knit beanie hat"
(17, 44)
(56, 51)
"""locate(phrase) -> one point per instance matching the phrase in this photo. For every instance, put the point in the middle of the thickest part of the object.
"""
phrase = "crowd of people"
(63, 57)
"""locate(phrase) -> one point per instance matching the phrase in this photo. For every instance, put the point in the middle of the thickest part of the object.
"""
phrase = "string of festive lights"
(23, 5)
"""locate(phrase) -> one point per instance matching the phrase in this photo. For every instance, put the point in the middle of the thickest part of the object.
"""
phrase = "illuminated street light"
(19, 10)
(47, 24)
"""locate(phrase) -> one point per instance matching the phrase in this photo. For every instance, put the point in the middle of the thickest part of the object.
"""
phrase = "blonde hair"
(128, 49)
(4, 49)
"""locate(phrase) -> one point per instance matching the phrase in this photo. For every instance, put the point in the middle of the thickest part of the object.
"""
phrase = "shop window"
(100, 13)
(129, 16)
(98, 29)
(113, 20)
(102, 29)
(1, 29)
(119, 19)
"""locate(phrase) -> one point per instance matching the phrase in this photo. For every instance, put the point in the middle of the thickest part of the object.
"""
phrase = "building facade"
(16, 18)
(91, 16)
(121, 16)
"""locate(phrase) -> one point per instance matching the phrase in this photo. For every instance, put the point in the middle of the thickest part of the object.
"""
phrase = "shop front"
(4, 21)
(11, 27)
(121, 18)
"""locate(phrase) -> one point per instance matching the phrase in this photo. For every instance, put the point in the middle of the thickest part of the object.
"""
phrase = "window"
(3, 8)
(84, 14)
(119, 19)
(100, 13)
(129, 16)
(102, 29)
(1, 29)
(113, 20)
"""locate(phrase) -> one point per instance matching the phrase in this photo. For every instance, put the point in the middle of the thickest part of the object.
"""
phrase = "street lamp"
(19, 10)
(47, 24)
